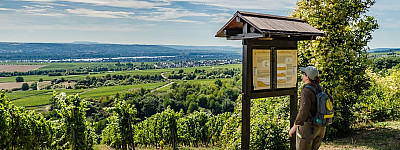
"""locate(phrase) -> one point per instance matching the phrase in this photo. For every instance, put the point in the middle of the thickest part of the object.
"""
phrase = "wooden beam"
(245, 36)
(273, 93)
(245, 28)
(293, 114)
(237, 19)
(232, 32)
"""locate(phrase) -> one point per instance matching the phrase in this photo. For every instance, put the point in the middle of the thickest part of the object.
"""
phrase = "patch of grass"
(206, 68)
(139, 72)
(21, 94)
(209, 81)
(383, 135)
(104, 147)
(112, 90)
(83, 76)
(43, 97)
(40, 98)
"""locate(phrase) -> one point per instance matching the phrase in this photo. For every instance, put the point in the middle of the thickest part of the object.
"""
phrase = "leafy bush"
(119, 133)
(19, 79)
(21, 129)
(382, 101)
(268, 125)
(73, 129)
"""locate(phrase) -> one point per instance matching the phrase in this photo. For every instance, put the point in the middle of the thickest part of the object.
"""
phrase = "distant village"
(199, 63)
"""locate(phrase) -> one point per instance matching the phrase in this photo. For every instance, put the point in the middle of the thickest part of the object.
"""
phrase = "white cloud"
(112, 3)
(38, 10)
(100, 14)
(243, 4)
(5, 9)
(170, 14)
(221, 17)
(43, 6)
(69, 27)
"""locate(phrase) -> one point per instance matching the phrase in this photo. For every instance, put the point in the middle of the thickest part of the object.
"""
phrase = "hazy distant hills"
(380, 50)
(83, 50)
(94, 50)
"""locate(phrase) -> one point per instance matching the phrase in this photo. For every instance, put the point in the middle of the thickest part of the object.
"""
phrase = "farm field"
(207, 68)
(19, 68)
(67, 66)
(37, 98)
(42, 97)
(12, 85)
(96, 93)
(139, 72)
(77, 77)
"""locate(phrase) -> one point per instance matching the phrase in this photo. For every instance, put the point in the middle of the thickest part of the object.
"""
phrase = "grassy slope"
(43, 97)
(37, 98)
(112, 90)
(383, 135)
(76, 77)
(140, 72)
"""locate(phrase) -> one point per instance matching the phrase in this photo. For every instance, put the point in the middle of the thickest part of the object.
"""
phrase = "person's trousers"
(309, 137)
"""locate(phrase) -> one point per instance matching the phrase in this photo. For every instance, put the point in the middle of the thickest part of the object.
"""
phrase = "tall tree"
(25, 86)
(340, 56)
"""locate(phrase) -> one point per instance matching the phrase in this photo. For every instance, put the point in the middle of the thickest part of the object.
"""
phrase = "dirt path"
(86, 91)
(162, 75)
(162, 86)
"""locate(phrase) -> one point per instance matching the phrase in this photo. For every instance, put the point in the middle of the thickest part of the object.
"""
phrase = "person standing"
(308, 135)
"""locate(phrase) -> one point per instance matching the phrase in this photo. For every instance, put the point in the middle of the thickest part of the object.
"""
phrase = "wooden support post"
(245, 122)
(293, 114)
(246, 89)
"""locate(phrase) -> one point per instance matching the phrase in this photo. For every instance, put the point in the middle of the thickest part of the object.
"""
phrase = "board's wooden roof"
(269, 24)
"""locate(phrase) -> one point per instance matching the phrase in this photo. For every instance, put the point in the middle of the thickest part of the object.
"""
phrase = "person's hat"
(311, 71)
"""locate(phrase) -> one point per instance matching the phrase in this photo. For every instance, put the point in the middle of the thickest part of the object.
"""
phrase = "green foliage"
(381, 102)
(21, 129)
(382, 64)
(73, 129)
(25, 87)
(120, 131)
(19, 79)
(218, 82)
(159, 130)
(192, 129)
(268, 125)
(341, 56)
(193, 107)
(33, 86)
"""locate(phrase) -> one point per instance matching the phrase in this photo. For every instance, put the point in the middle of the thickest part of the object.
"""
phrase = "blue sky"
(181, 22)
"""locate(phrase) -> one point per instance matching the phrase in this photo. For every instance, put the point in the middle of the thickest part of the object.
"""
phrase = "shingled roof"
(267, 26)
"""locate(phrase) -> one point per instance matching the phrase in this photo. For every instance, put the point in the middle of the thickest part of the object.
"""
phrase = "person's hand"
(292, 130)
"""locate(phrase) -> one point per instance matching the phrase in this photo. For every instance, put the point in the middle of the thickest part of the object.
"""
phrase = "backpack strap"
(312, 88)
(315, 93)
